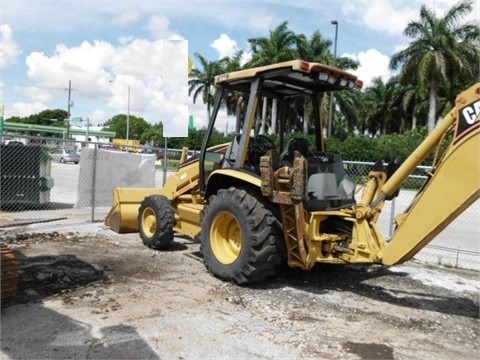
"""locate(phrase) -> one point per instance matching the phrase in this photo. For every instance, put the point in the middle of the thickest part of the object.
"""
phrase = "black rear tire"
(240, 238)
(155, 222)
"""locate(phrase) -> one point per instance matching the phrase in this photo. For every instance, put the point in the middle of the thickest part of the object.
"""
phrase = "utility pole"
(68, 107)
(128, 117)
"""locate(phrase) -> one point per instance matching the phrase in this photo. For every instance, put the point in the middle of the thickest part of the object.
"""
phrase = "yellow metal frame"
(455, 184)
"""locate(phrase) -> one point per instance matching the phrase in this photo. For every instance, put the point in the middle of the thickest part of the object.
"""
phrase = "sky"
(112, 54)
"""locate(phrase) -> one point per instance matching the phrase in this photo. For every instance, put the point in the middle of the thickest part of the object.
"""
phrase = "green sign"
(75, 120)
(1, 119)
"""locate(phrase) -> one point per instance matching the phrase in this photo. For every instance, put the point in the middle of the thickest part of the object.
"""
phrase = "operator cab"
(290, 85)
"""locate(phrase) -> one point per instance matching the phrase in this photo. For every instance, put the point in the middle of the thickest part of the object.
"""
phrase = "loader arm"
(453, 186)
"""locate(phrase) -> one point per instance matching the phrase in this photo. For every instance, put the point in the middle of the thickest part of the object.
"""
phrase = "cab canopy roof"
(290, 78)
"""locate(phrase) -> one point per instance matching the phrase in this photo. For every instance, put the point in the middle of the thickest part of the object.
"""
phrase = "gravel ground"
(106, 296)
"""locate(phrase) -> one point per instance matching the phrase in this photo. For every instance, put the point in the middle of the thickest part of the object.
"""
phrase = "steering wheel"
(258, 146)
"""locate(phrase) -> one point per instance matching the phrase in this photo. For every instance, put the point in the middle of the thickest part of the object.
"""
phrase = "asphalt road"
(111, 297)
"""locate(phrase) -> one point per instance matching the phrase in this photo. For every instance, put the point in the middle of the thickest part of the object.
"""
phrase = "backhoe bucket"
(122, 218)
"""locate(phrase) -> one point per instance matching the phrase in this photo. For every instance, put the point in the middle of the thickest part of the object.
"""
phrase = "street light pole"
(330, 112)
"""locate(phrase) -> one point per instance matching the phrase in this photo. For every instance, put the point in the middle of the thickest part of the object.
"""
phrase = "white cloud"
(393, 16)
(37, 94)
(246, 57)
(263, 21)
(10, 50)
(97, 117)
(381, 16)
(21, 109)
(225, 46)
(373, 64)
(84, 65)
(91, 68)
(127, 16)
(159, 27)
(140, 57)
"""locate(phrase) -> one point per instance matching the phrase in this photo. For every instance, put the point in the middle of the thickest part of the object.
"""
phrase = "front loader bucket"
(122, 217)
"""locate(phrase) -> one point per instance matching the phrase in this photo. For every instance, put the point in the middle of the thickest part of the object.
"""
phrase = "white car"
(65, 156)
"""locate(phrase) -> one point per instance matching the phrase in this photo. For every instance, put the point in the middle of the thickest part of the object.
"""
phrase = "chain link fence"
(42, 180)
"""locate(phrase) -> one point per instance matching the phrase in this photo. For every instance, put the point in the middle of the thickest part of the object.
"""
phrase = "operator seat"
(231, 152)
(295, 144)
(328, 184)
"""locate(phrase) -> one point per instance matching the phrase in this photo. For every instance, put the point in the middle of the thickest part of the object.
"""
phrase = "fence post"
(392, 218)
(94, 177)
(165, 163)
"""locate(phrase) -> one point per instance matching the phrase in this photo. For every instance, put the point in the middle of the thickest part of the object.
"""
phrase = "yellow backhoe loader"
(255, 206)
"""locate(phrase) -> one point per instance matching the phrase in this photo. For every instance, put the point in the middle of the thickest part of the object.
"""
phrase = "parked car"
(65, 155)
(13, 142)
(106, 146)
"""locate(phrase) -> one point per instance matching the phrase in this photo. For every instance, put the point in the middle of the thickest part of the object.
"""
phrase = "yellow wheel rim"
(226, 237)
(149, 222)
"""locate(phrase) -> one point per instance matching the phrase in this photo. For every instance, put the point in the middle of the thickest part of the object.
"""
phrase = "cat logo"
(468, 119)
(471, 112)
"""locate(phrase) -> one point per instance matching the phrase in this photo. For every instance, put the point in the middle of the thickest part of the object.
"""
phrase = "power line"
(38, 86)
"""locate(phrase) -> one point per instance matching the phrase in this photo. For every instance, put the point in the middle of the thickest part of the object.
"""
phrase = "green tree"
(118, 124)
(55, 117)
(413, 104)
(384, 107)
(234, 100)
(347, 102)
(315, 49)
(441, 50)
(153, 135)
(201, 81)
(280, 45)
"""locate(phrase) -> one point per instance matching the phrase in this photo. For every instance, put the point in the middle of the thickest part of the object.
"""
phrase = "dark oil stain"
(369, 351)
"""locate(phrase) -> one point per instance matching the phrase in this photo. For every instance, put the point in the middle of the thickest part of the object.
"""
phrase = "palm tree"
(414, 103)
(384, 107)
(202, 81)
(278, 47)
(346, 101)
(315, 49)
(234, 100)
(441, 50)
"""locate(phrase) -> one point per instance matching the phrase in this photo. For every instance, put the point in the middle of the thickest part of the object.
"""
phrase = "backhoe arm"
(454, 184)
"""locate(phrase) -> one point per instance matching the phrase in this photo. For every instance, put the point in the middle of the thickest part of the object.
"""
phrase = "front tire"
(240, 238)
(155, 222)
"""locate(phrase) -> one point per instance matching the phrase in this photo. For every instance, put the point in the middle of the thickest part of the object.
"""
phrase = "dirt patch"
(111, 297)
